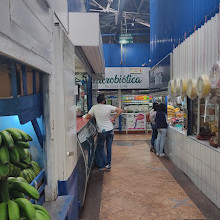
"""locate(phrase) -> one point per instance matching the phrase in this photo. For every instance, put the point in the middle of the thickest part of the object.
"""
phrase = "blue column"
(23, 69)
(14, 87)
(166, 100)
(120, 124)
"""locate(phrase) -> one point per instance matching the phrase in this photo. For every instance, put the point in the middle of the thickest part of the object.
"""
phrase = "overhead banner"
(159, 75)
(124, 78)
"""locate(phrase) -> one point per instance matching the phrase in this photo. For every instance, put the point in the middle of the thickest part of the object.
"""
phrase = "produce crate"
(39, 184)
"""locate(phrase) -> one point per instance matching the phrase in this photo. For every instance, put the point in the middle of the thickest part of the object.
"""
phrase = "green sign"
(125, 38)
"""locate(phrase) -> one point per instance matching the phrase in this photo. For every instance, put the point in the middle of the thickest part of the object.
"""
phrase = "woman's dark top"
(161, 121)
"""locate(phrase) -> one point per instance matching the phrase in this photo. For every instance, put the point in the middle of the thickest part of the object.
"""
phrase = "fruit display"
(15, 158)
(15, 205)
(170, 111)
(17, 170)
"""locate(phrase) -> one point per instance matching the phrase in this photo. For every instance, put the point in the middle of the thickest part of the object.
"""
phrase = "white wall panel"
(71, 152)
(41, 11)
(5, 17)
(196, 54)
(205, 47)
(199, 57)
(28, 30)
(69, 82)
(196, 164)
(61, 11)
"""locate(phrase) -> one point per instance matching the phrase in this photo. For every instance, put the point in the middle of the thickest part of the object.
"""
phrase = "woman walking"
(161, 125)
(153, 113)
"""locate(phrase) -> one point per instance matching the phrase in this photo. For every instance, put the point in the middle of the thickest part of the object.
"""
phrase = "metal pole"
(87, 5)
(121, 54)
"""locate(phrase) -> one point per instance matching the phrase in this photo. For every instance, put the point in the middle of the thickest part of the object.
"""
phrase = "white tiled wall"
(199, 162)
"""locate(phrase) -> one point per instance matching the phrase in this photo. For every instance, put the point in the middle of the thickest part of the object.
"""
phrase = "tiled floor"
(139, 187)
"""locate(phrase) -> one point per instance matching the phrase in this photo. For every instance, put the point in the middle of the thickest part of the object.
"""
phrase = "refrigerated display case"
(135, 108)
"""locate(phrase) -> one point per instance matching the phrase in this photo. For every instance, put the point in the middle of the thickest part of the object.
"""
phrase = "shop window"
(208, 120)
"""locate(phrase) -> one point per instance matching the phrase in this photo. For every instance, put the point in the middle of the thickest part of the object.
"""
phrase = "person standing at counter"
(104, 121)
(153, 113)
(161, 125)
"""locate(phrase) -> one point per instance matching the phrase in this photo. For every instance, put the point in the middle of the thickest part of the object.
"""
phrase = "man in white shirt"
(104, 121)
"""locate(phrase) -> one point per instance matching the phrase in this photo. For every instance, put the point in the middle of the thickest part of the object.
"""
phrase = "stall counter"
(86, 147)
(197, 159)
(81, 123)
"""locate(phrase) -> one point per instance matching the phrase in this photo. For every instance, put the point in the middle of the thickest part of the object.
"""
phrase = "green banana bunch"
(14, 156)
(35, 167)
(15, 194)
(14, 205)
(7, 139)
(28, 154)
(25, 136)
(14, 170)
(4, 155)
(16, 135)
(21, 185)
(40, 215)
(13, 210)
(21, 152)
(27, 207)
(28, 175)
(27, 160)
(41, 208)
(3, 211)
(4, 170)
(23, 165)
(21, 208)
(23, 144)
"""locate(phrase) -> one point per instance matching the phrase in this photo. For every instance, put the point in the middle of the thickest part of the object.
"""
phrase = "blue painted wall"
(171, 19)
(35, 149)
(134, 55)
(76, 6)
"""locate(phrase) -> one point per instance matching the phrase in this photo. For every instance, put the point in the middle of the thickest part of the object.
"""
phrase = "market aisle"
(140, 187)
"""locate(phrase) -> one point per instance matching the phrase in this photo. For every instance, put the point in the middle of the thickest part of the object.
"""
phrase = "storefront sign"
(159, 76)
(125, 38)
(134, 70)
(123, 78)
(136, 121)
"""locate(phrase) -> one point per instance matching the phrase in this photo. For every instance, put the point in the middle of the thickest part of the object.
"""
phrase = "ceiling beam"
(121, 4)
(138, 20)
(100, 6)
(135, 5)
(140, 5)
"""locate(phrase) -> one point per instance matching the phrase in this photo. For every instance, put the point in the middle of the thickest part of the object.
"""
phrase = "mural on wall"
(124, 78)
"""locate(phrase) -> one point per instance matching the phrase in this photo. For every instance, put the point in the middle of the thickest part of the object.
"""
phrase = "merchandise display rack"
(28, 108)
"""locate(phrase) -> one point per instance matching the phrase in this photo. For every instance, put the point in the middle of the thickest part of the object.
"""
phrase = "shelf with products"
(137, 103)
(207, 120)
(176, 112)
